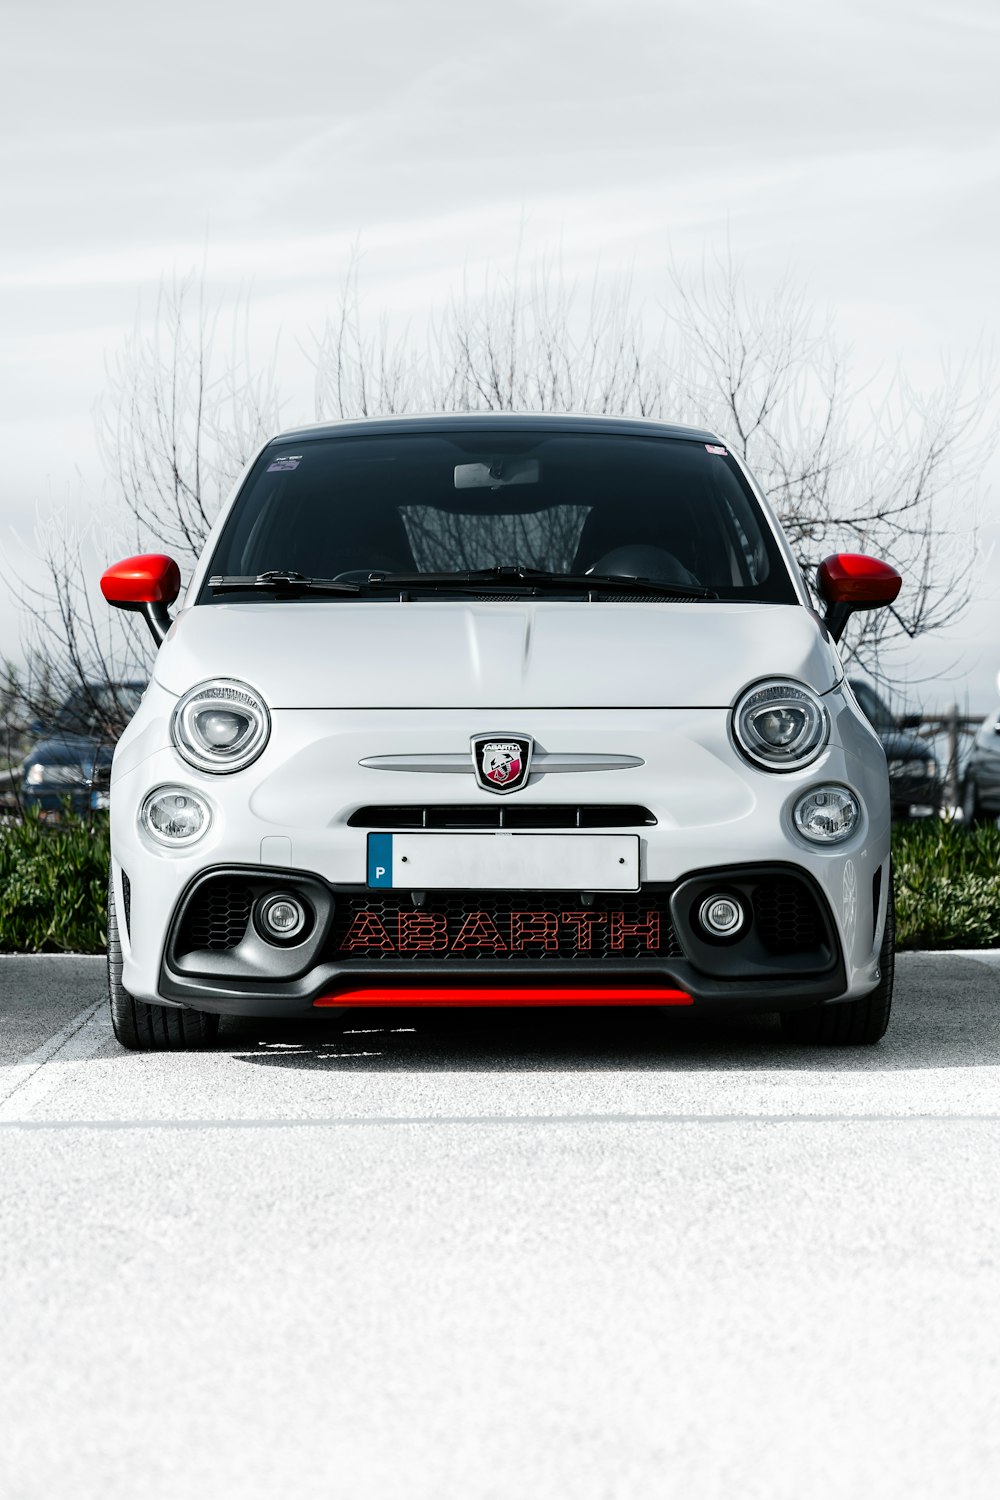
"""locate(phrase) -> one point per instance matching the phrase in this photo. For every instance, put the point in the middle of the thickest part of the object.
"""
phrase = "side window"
(865, 698)
(872, 706)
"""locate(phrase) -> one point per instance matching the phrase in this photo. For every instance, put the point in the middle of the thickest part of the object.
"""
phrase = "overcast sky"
(856, 146)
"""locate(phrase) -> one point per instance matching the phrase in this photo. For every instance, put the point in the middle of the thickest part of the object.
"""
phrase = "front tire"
(150, 1028)
(853, 1023)
(972, 810)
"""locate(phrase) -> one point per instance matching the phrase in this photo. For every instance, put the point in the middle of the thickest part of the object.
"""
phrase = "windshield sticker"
(282, 465)
(715, 448)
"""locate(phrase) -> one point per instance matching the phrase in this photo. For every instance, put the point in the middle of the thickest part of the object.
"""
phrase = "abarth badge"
(501, 762)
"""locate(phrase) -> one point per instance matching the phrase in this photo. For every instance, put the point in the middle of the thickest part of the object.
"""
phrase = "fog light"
(827, 814)
(721, 916)
(281, 917)
(174, 815)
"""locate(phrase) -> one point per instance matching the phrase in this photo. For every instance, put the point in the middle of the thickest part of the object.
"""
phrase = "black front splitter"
(328, 982)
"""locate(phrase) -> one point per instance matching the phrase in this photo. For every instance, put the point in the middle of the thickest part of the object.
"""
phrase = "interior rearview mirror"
(497, 475)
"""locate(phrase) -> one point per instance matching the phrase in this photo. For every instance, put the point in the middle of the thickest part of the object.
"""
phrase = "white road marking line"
(394, 1122)
(49, 1065)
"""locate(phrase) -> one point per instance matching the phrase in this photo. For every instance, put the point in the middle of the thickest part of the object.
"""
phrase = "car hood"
(70, 750)
(899, 746)
(437, 654)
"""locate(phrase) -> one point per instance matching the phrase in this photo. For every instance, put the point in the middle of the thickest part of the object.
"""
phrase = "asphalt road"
(505, 1255)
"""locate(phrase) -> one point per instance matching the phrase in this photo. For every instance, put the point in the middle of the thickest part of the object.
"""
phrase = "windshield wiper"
(533, 582)
(280, 581)
(537, 580)
(626, 585)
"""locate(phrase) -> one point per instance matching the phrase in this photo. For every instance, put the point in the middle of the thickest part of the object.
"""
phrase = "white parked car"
(498, 710)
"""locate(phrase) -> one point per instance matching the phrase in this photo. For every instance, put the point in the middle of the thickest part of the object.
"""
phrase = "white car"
(498, 710)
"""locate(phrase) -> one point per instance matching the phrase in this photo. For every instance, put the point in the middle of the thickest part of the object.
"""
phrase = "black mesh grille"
(522, 815)
(127, 903)
(217, 916)
(492, 927)
(788, 919)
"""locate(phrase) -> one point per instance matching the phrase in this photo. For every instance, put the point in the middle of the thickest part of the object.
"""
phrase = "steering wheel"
(643, 561)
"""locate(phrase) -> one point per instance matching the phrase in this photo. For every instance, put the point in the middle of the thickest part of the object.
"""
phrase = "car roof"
(483, 421)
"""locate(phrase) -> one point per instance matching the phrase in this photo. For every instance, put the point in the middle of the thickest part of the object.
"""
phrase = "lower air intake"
(787, 916)
(493, 927)
(218, 916)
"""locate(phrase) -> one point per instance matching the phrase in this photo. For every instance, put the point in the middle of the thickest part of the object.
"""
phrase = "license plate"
(503, 861)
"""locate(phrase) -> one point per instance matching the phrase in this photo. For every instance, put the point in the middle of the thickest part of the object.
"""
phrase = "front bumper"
(288, 818)
(364, 947)
(913, 789)
(56, 799)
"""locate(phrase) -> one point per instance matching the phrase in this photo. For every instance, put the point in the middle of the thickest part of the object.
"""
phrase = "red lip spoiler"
(507, 994)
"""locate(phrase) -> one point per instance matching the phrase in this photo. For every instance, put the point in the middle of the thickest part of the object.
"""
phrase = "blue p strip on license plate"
(379, 859)
(503, 861)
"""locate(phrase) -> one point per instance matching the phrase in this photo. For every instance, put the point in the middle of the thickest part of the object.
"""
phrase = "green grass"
(54, 886)
(947, 881)
(54, 880)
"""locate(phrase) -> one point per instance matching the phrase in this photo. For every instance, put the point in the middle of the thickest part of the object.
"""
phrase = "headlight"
(827, 814)
(50, 775)
(780, 725)
(220, 726)
(918, 766)
(175, 815)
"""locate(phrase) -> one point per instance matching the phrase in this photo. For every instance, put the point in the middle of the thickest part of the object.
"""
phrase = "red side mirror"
(149, 583)
(862, 582)
(150, 579)
(849, 581)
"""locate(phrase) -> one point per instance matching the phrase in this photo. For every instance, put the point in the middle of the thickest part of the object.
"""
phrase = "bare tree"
(15, 719)
(844, 468)
(82, 662)
(185, 407)
(512, 346)
(882, 468)
(183, 411)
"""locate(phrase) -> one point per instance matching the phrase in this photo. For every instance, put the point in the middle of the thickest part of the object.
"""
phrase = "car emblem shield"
(501, 761)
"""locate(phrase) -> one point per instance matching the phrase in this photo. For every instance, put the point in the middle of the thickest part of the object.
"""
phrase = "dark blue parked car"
(981, 787)
(914, 774)
(73, 760)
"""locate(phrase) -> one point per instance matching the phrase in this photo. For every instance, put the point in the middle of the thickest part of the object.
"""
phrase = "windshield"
(448, 502)
(99, 710)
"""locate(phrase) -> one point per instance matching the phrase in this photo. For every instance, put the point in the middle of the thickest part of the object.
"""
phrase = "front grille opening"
(127, 904)
(501, 927)
(524, 815)
(217, 916)
(787, 916)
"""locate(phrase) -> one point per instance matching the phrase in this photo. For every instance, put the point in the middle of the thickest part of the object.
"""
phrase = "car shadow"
(945, 1015)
